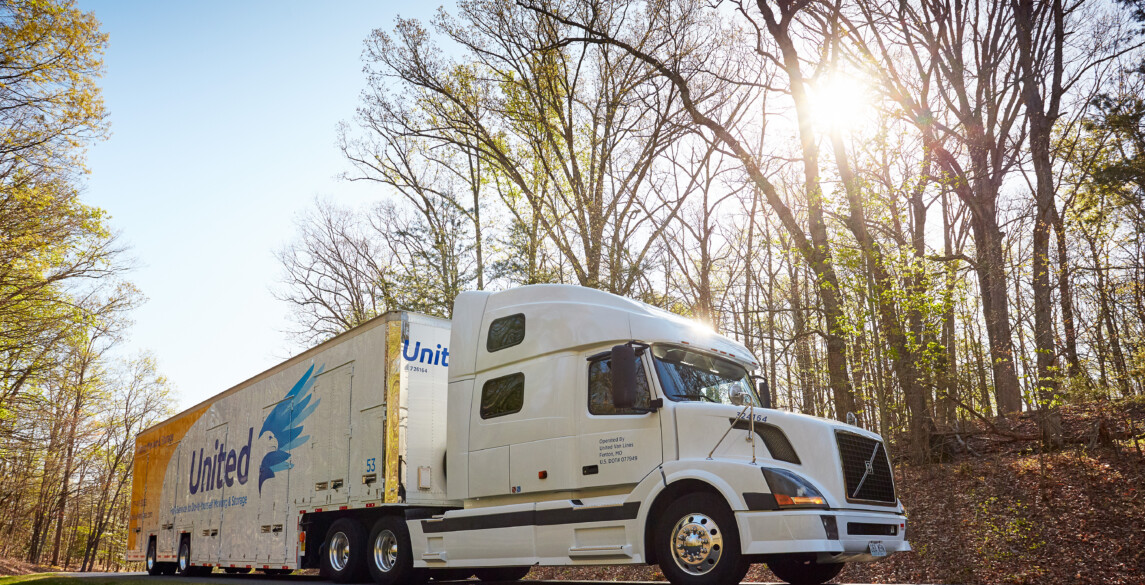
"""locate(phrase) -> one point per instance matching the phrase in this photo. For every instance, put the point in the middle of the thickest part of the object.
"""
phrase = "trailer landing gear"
(502, 573)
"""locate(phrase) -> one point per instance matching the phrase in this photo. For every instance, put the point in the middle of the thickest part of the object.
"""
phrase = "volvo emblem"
(870, 468)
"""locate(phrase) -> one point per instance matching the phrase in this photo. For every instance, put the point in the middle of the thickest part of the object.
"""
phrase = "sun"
(840, 102)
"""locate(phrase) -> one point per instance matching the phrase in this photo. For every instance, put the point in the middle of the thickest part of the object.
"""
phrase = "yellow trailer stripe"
(393, 406)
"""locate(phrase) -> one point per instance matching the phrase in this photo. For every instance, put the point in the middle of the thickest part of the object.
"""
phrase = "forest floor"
(997, 511)
(16, 567)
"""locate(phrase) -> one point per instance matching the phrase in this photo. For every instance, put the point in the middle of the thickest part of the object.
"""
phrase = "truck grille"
(866, 469)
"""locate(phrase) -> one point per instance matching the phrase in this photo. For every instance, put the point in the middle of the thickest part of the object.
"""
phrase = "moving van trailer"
(544, 425)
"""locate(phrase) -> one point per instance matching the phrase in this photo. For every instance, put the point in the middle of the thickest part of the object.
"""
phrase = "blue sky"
(223, 120)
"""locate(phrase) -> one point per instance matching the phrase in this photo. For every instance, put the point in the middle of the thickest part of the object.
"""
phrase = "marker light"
(791, 490)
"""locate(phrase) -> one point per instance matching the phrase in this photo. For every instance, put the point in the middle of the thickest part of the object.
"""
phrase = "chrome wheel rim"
(697, 544)
(339, 551)
(385, 551)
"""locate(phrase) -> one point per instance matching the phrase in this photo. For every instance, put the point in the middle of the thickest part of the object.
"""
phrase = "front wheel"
(390, 554)
(804, 570)
(697, 542)
(502, 573)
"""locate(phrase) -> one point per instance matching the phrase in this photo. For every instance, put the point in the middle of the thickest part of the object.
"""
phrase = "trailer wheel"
(154, 567)
(697, 542)
(390, 553)
(344, 560)
(803, 570)
(183, 565)
(502, 573)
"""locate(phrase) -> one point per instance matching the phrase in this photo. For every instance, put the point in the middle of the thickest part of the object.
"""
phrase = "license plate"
(877, 549)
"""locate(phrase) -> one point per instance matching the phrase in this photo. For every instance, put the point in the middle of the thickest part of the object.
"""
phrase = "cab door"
(616, 446)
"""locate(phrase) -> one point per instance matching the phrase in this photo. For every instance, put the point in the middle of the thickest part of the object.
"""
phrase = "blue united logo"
(284, 423)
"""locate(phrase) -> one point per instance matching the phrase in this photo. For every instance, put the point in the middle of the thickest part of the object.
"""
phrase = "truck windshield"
(690, 375)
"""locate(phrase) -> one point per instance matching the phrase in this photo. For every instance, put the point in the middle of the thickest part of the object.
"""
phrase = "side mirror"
(623, 376)
(764, 393)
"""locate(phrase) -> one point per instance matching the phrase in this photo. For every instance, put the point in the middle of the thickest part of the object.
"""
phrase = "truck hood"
(800, 443)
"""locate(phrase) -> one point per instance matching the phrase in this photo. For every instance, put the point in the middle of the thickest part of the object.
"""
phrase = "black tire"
(803, 570)
(502, 573)
(183, 561)
(237, 570)
(389, 555)
(345, 551)
(154, 567)
(712, 555)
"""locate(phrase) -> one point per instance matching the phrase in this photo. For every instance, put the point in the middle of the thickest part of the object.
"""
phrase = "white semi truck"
(546, 425)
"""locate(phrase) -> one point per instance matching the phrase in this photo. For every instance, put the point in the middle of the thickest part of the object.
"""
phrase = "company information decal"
(612, 450)
(232, 501)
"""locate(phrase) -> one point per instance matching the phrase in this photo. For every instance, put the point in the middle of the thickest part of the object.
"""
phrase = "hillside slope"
(1000, 511)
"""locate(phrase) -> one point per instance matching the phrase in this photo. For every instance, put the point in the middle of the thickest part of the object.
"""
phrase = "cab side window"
(600, 389)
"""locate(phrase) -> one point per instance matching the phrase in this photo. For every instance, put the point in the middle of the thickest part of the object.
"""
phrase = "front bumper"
(808, 531)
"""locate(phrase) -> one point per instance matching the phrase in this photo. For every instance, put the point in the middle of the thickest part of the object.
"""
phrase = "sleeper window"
(600, 389)
(502, 396)
(506, 332)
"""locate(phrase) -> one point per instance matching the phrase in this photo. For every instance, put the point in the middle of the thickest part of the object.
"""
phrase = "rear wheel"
(697, 542)
(154, 567)
(502, 573)
(390, 555)
(804, 570)
(183, 564)
(345, 554)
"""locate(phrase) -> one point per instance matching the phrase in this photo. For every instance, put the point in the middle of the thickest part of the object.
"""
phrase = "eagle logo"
(284, 424)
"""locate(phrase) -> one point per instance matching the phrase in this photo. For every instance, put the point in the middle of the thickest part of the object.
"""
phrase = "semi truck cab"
(586, 428)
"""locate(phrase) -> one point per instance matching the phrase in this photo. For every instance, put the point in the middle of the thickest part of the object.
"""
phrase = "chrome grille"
(866, 469)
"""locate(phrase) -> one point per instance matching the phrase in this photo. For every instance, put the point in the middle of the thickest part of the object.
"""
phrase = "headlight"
(792, 491)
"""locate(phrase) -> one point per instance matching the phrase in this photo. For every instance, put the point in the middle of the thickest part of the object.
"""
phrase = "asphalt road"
(260, 579)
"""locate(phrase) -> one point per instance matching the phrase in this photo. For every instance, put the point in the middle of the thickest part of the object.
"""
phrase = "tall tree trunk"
(996, 310)
(1065, 292)
(69, 463)
(1041, 127)
(820, 261)
(901, 354)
